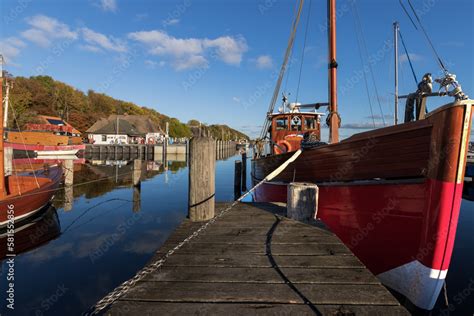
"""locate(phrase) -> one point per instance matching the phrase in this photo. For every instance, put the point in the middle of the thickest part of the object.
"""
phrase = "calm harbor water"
(82, 248)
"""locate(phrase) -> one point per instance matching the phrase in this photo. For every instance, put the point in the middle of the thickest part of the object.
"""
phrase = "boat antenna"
(289, 48)
(425, 33)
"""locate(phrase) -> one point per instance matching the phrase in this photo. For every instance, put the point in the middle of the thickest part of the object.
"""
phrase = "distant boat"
(392, 194)
(23, 194)
(52, 136)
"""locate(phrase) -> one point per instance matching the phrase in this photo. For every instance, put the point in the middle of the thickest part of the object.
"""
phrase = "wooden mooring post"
(68, 170)
(202, 188)
(137, 172)
(244, 171)
(302, 201)
(237, 179)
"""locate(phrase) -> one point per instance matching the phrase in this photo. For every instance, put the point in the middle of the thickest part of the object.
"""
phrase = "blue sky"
(215, 61)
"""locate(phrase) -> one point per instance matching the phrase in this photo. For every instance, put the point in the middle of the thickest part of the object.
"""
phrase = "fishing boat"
(24, 194)
(49, 136)
(391, 194)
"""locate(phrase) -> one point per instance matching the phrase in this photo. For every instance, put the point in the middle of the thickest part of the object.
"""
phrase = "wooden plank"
(262, 261)
(277, 239)
(301, 249)
(126, 308)
(264, 275)
(226, 269)
(296, 230)
(360, 294)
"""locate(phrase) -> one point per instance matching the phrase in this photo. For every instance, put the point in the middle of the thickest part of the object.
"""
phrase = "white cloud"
(187, 53)
(153, 64)
(190, 63)
(170, 22)
(108, 5)
(228, 49)
(413, 57)
(45, 29)
(90, 48)
(264, 62)
(10, 48)
(100, 41)
(236, 99)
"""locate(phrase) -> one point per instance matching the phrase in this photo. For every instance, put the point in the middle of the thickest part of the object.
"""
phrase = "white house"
(125, 129)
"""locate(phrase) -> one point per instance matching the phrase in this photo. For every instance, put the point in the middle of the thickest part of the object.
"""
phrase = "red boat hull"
(34, 198)
(398, 212)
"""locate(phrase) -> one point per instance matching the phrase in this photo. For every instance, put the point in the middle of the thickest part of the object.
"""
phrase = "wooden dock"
(255, 261)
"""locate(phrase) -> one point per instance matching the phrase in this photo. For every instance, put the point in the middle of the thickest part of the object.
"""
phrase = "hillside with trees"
(43, 95)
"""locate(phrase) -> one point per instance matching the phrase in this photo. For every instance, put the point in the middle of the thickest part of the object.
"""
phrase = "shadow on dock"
(253, 260)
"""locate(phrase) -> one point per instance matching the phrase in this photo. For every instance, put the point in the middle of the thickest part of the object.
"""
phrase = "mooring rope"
(127, 285)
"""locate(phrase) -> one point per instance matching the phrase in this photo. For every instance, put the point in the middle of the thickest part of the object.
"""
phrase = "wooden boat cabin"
(48, 131)
(288, 129)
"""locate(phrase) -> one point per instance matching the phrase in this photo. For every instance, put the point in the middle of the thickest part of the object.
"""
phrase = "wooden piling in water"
(68, 170)
(137, 204)
(202, 160)
(137, 172)
(237, 179)
(244, 171)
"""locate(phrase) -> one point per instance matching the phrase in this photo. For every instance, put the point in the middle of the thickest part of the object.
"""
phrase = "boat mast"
(2, 162)
(334, 118)
(395, 42)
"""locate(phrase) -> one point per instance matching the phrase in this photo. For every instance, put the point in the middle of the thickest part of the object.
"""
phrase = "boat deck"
(255, 261)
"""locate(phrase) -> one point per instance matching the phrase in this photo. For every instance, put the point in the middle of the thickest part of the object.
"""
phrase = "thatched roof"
(127, 124)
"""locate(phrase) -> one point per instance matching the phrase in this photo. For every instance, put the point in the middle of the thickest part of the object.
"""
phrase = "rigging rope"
(289, 48)
(365, 77)
(364, 44)
(288, 72)
(24, 144)
(408, 57)
(440, 62)
(304, 49)
(408, 14)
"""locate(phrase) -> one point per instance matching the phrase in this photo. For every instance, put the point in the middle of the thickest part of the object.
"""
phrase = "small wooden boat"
(53, 136)
(23, 194)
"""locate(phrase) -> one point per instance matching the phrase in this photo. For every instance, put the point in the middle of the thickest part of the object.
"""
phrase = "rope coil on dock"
(127, 285)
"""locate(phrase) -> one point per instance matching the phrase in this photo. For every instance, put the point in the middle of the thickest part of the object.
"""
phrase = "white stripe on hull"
(18, 218)
(56, 152)
(420, 284)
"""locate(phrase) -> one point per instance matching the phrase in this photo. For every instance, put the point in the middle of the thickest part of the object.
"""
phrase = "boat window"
(296, 123)
(281, 124)
(310, 123)
(104, 138)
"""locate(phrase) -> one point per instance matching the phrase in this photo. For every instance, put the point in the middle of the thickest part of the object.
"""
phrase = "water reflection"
(109, 229)
(41, 228)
